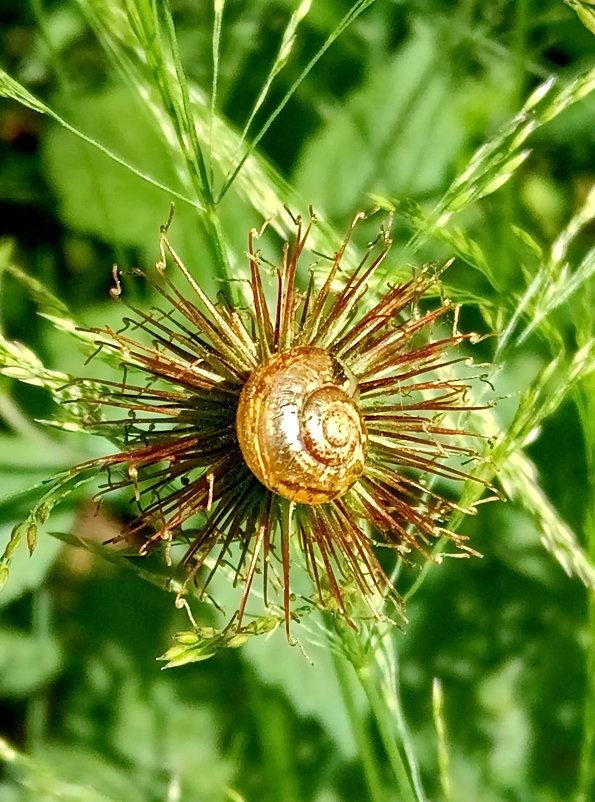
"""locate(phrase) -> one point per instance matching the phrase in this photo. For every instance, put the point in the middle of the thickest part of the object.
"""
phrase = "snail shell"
(299, 427)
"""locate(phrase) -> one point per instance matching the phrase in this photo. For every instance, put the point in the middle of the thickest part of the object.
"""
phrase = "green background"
(396, 107)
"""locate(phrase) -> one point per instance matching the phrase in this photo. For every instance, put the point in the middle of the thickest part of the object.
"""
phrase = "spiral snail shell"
(299, 427)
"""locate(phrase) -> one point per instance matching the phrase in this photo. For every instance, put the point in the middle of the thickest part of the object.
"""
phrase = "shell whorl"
(299, 427)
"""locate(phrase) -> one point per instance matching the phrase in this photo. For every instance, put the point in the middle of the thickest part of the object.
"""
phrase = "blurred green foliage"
(395, 108)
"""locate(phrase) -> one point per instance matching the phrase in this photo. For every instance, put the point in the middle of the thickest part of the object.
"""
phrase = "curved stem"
(382, 716)
(358, 726)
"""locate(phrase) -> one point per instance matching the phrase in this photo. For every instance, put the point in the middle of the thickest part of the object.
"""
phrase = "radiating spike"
(264, 326)
(316, 315)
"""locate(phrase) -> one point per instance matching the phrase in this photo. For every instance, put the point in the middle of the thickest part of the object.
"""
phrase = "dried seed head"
(319, 423)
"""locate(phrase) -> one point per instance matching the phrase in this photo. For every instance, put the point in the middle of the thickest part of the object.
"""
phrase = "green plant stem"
(440, 727)
(37, 705)
(175, 97)
(393, 701)
(216, 45)
(382, 716)
(211, 223)
(358, 726)
(355, 10)
(587, 758)
(472, 492)
(586, 776)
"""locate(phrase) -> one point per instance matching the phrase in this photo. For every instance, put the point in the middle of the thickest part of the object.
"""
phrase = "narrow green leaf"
(356, 9)
(287, 43)
(12, 89)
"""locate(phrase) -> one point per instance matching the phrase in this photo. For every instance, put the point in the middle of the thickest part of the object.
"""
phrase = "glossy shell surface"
(299, 427)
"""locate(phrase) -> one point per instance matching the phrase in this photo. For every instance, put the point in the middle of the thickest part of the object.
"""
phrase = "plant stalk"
(381, 713)
(586, 777)
(367, 757)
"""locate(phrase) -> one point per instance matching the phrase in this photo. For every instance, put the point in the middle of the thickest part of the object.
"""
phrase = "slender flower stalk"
(308, 426)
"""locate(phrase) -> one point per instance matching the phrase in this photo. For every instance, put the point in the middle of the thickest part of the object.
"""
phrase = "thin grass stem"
(385, 724)
(218, 8)
(440, 727)
(37, 705)
(12, 89)
(392, 692)
(366, 754)
(350, 16)
(66, 93)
